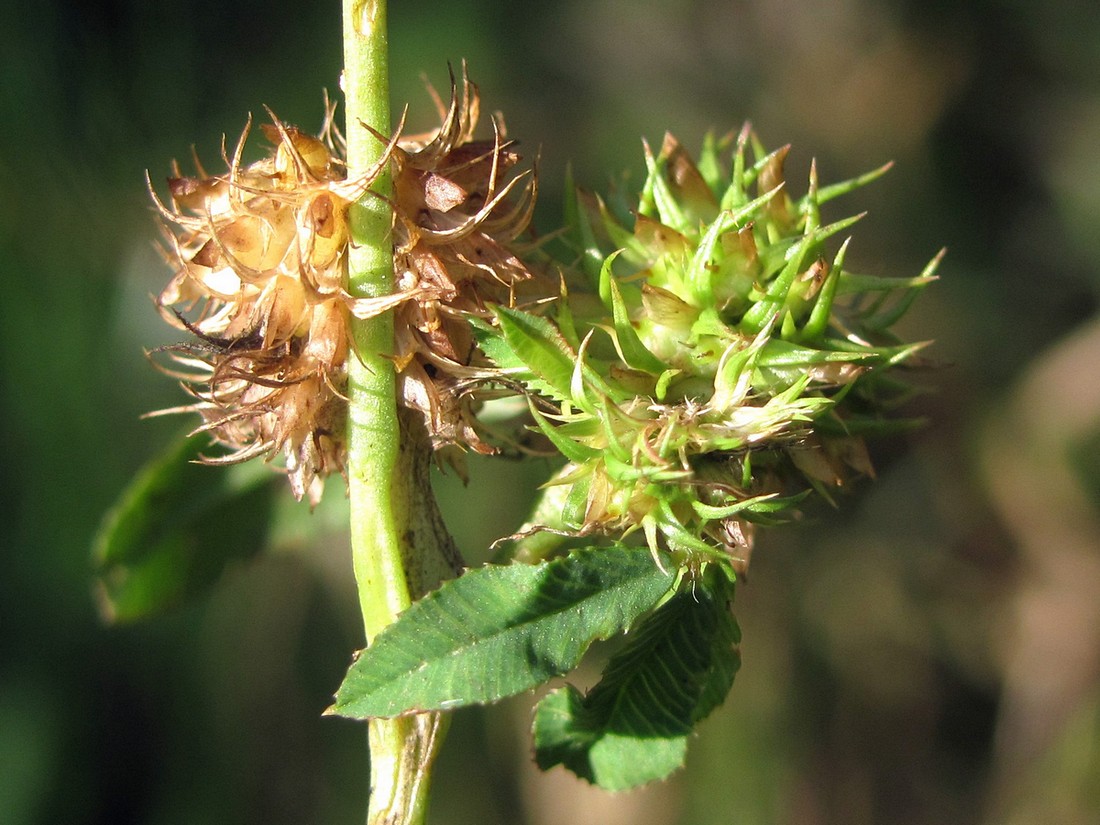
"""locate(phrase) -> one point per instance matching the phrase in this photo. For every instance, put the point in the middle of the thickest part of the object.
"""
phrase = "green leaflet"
(500, 630)
(175, 528)
(633, 726)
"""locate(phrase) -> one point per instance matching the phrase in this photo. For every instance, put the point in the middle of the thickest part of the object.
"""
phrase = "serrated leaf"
(496, 347)
(633, 726)
(500, 630)
(175, 528)
(547, 363)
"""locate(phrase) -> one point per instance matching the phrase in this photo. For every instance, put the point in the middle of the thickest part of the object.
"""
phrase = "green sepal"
(752, 174)
(699, 278)
(886, 318)
(872, 426)
(736, 193)
(625, 472)
(678, 536)
(708, 512)
(629, 345)
(709, 165)
(734, 370)
(749, 508)
(809, 206)
(779, 354)
(835, 190)
(759, 314)
(622, 238)
(576, 218)
(851, 283)
(657, 199)
(575, 506)
(821, 314)
(572, 450)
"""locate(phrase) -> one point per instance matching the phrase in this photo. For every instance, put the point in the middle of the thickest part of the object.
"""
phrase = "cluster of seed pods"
(261, 282)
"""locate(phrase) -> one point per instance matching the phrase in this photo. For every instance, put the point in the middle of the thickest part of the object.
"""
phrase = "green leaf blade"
(566, 732)
(498, 631)
(633, 727)
(175, 529)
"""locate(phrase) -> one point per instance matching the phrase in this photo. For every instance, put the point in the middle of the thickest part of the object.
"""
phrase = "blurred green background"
(928, 654)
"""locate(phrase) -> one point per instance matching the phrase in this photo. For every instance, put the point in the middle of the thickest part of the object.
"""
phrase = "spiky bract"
(721, 363)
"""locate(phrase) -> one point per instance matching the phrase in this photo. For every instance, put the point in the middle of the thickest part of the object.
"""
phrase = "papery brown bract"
(458, 210)
(261, 279)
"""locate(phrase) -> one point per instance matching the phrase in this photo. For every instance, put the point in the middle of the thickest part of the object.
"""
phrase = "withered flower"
(262, 273)
(458, 210)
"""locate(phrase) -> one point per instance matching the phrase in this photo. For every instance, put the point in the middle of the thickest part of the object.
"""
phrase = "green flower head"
(711, 361)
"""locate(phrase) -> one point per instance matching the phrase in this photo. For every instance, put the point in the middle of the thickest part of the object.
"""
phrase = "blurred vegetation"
(929, 653)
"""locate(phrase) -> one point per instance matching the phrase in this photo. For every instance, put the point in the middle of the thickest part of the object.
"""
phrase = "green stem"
(399, 546)
(373, 434)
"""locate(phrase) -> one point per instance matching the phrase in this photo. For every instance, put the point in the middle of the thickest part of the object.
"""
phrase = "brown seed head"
(261, 273)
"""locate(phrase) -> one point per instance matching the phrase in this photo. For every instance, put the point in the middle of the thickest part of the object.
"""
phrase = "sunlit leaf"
(535, 342)
(500, 630)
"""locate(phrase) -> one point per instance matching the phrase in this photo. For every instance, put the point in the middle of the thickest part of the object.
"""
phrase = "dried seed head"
(260, 270)
(458, 208)
(261, 273)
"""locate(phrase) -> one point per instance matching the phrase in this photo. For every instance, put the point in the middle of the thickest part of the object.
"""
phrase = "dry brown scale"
(261, 280)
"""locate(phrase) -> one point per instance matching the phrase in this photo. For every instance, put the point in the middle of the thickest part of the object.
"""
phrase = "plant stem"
(399, 546)
(373, 435)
